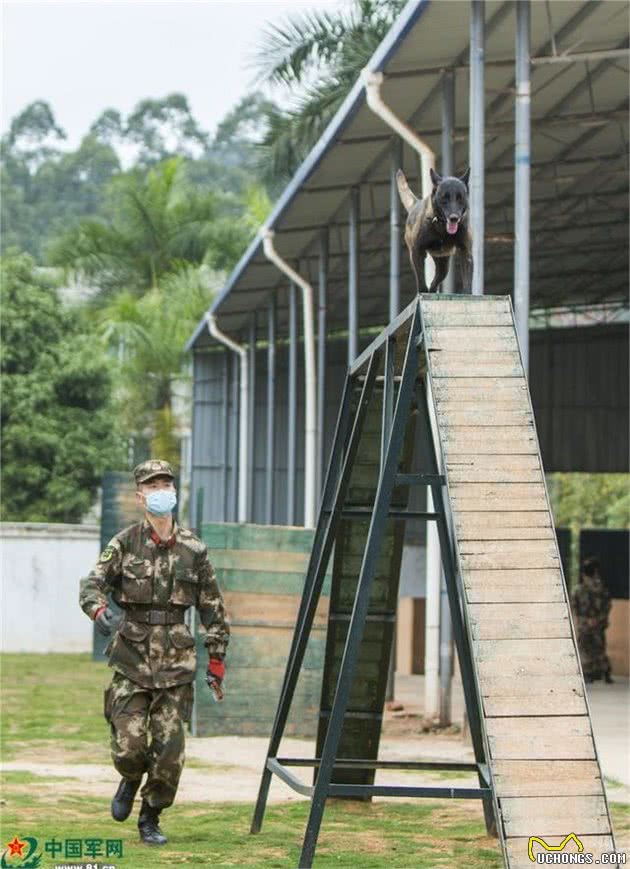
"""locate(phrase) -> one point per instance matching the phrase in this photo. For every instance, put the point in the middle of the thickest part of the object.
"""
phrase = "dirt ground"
(228, 768)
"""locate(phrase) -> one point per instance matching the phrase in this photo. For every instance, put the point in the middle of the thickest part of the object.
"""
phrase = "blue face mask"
(162, 502)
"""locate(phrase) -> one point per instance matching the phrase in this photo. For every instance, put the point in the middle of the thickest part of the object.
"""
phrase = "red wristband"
(216, 668)
(99, 611)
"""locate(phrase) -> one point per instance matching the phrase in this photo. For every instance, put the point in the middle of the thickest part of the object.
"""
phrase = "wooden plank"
(518, 856)
(504, 366)
(490, 302)
(510, 491)
(463, 503)
(558, 702)
(492, 650)
(259, 559)
(496, 462)
(547, 778)
(492, 621)
(554, 816)
(516, 576)
(267, 610)
(461, 335)
(457, 446)
(508, 519)
(535, 663)
(495, 338)
(546, 743)
(523, 695)
(487, 475)
(505, 560)
(476, 532)
(484, 418)
(515, 547)
(493, 389)
(539, 593)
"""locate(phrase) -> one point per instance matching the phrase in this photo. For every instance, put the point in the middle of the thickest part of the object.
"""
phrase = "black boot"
(150, 832)
(123, 799)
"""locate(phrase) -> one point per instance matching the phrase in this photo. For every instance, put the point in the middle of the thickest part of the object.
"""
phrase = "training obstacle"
(446, 379)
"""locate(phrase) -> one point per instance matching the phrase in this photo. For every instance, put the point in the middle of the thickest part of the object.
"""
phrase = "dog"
(438, 225)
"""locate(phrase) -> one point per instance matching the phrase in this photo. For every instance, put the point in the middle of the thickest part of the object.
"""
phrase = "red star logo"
(16, 847)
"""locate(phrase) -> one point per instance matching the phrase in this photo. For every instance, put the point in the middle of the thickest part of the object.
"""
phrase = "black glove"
(104, 621)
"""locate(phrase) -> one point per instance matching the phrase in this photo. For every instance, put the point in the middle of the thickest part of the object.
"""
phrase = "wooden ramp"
(537, 731)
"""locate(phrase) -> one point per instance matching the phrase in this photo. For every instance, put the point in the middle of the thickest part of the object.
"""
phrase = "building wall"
(41, 567)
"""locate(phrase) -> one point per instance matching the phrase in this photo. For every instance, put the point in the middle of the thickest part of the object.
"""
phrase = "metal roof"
(579, 178)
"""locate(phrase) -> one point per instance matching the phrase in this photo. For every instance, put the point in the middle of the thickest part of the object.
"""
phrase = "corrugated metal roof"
(579, 230)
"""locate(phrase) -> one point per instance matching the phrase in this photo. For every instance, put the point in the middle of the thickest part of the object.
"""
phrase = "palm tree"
(315, 57)
(148, 336)
(156, 222)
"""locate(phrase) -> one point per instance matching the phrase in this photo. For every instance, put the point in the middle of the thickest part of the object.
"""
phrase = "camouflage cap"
(152, 468)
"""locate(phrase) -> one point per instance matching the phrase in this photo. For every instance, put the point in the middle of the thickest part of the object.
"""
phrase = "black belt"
(156, 617)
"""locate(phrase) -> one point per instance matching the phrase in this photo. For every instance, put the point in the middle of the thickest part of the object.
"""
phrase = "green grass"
(52, 697)
(52, 710)
(218, 834)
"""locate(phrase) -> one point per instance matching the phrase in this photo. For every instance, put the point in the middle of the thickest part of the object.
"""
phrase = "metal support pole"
(477, 130)
(522, 140)
(271, 406)
(448, 158)
(226, 430)
(251, 441)
(321, 357)
(394, 230)
(446, 656)
(353, 275)
(292, 405)
(234, 436)
(386, 427)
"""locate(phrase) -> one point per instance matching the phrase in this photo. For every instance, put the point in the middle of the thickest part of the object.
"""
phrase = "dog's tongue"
(451, 226)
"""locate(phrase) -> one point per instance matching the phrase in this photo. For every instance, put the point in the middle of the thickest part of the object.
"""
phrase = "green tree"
(163, 128)
(588, 501)
(154, 223)
(46, 190)
(316, 57)
(58, 431)
(148, 335)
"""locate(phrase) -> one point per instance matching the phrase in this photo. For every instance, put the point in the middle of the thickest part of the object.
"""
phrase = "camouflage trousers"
(592, 646)
(148, 735)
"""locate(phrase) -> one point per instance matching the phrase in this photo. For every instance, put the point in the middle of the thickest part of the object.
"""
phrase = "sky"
(83, 57)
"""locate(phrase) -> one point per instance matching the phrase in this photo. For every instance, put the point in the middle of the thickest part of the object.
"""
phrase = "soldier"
(591, 606)
(154, 570)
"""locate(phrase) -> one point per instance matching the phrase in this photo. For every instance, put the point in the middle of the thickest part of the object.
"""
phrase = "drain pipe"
(310, 427)
(243, 470)
(373, 82)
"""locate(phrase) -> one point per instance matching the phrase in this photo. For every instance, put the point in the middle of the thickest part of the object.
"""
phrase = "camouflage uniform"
(591, 606)
(151, 690)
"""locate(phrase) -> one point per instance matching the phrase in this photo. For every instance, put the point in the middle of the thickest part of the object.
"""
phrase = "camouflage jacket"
(138, 573)
(591, 602)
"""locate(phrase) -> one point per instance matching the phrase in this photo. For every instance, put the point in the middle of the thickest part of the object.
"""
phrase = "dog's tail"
(406, 196)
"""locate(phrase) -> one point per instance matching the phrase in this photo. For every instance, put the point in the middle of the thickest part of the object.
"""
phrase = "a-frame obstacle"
(447, 375)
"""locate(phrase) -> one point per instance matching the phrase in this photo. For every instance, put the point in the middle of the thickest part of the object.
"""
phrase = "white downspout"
(241, 349)
(310, 426)
(373, 81)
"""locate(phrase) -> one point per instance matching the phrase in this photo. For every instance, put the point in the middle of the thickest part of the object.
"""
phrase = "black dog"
(438, 225)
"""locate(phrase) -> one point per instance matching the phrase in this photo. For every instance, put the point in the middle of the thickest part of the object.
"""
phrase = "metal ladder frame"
(332, 509)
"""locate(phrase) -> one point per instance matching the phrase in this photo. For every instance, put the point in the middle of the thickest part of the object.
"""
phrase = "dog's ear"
(435, 177)
(466, 177)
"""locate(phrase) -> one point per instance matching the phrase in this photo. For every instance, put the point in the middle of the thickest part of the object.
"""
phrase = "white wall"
(41, 566)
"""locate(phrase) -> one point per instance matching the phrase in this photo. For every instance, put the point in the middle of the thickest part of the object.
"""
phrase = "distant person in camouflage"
(591, 607)
(154, 571)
